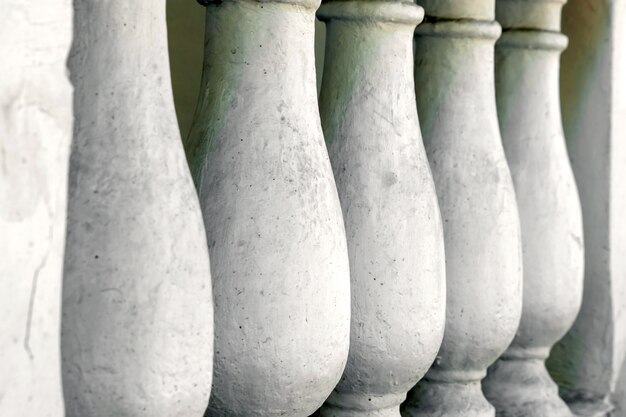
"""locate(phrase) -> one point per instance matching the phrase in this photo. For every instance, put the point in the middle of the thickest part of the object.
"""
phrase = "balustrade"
(392, 219)
(310, 311)
(137, 313)
(527, 88)
(586, 363)
(272, 214)
(454, 63)
(35, 133)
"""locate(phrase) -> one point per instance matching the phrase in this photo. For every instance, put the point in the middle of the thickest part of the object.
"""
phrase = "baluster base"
(585, 407)
(522, 387)
(447, 399)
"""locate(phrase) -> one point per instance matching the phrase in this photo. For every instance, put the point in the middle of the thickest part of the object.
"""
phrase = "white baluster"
(618, 394)
(393, 225)
(527, 87)
(274, 223)
(456, 102)
(137, 310)
(587, 361)
(35, 134)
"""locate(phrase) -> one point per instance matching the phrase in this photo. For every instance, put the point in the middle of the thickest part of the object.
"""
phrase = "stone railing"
(338, 257)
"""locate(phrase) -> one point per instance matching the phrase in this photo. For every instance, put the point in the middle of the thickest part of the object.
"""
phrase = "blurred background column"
(587, 362)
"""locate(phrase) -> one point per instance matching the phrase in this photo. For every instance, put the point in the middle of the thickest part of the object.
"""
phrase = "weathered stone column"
(527, 87)
(137, 311)
(618, 395)
(393, 224)
(587, 361)
(35, 134)
(273, 218)
(454, 66)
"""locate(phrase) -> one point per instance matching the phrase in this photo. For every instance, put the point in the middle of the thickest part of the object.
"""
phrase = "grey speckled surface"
(456, 102)
(527, 88)
(137, 314)
(393, 224)
(274, 224)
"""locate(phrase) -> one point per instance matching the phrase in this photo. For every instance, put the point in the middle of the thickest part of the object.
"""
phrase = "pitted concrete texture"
(274, 224)
(137, 312)
(527, 95)
(456, 103)
(393, 224)
(35, 134)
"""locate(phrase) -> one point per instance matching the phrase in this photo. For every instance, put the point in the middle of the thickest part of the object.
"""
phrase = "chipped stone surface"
(393, 224)
(35, 132)
(274, 224)
(137, 314)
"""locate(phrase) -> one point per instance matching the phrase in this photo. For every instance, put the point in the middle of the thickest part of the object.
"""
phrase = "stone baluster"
(617, 391)
(587, 361)
(274, 224)
(35, 134)
(527, 88)
(393, 224)
(137, 309)
(454, 65)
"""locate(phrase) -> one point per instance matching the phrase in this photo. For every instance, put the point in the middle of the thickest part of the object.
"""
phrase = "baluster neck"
(460, 53)
(530, 14)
